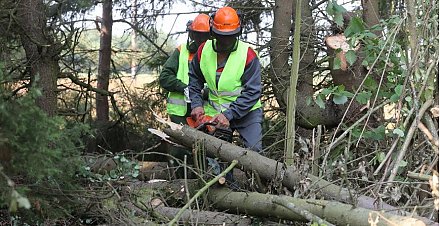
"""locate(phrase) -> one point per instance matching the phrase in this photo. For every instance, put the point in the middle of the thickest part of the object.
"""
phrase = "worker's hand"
(221, 121)
(197, 113)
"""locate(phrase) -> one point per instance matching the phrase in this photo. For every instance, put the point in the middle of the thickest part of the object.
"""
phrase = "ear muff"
(188, 25)
(240, 15)
(211, 19)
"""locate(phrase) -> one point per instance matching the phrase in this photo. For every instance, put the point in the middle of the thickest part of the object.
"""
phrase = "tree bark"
(370, 13)
(203, 217)
(41, 51)
(280, 52)
(102, 105)
(192, 217)
(133, 38)
(262, 205)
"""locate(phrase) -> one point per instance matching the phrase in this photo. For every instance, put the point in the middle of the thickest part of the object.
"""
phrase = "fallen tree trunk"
(203, 217)
(270, 169)
(263, 205)
(154, 207)
(191, 216)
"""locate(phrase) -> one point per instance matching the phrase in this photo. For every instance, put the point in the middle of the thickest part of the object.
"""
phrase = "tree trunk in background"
(308, 116)
(311, 115)
(133, 39)
(41, 52)
(102, 105)
(370, 13)
(280, 52)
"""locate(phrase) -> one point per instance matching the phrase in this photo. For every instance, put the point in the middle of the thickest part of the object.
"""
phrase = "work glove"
(221, 121)
(186, 94)
(197, 113)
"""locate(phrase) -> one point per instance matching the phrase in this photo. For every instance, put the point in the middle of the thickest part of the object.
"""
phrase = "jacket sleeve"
(251, 84)
(196, 82)
(168, 77)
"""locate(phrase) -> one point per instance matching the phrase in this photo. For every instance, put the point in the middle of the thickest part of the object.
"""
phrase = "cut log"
(262, 205)
(154, 170)
(340, 42)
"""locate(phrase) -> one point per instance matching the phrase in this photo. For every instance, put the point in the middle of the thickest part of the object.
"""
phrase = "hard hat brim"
(232, 32)
(198, 31)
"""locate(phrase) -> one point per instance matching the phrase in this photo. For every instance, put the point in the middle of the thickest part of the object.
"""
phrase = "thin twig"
(418, 176)
(393, 146)
(408, 139)
(428, 134)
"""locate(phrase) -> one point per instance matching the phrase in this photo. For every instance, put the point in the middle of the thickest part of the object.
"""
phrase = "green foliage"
(147, 57)
(125, 168)
(336, 11)
(338, 94)
(42, 145)
(363, 97)
(374, 133)
(350, 56)
(379, 54)
(356, 26)
(44, 150)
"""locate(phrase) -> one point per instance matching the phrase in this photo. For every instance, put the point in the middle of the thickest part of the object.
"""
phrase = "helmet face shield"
(199, 37)
(225, 43)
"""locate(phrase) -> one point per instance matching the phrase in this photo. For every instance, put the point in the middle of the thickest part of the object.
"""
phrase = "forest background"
(78, 96)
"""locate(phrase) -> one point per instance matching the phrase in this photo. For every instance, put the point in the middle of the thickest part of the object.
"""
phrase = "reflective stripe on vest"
(176, 101)
(176, 104)
(229, 85)
(226, 93)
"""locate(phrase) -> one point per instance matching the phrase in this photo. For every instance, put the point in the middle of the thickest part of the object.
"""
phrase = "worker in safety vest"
(232, 72)
(174, 78)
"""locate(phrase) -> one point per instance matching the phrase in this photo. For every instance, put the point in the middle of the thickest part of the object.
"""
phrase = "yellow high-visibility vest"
(229, 85)
(176, 104)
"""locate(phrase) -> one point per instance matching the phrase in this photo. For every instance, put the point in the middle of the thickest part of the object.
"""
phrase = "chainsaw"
(205, 125)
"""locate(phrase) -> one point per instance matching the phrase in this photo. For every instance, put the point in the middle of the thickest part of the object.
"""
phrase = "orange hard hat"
(200, 23)
(226, 21)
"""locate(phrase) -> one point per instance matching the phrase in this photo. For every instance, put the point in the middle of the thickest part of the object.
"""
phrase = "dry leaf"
(434, 111)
